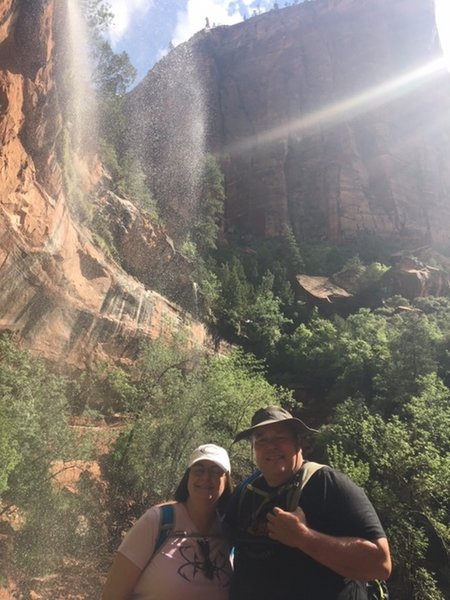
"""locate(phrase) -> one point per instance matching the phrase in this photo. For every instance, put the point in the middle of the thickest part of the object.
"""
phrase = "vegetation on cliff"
(375, 380)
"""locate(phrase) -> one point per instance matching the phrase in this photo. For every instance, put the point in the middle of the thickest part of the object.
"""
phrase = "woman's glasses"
(200, 470)
(208, 567)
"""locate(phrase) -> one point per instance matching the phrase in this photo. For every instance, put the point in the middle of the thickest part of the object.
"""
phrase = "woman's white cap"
(215, 454)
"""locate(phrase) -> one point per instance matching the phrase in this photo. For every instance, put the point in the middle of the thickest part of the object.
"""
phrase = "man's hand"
(351, 557)
(286, 527)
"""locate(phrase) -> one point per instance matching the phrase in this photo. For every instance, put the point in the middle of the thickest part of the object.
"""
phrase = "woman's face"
(206, 481)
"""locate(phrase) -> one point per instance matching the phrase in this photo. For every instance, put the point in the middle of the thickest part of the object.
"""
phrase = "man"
(319, 549)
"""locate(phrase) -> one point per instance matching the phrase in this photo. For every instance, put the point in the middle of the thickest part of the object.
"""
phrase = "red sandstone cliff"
(58, 292)
(322, 115)
(318, 112)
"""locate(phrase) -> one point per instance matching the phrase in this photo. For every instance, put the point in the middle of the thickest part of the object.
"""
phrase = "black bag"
(356, 590)
(377, 590)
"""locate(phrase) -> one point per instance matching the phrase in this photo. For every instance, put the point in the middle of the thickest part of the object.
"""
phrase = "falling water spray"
(80, 97)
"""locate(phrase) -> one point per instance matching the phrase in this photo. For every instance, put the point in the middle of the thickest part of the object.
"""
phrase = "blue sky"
(145, 28)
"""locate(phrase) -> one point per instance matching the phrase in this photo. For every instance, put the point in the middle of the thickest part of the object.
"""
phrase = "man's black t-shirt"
(265, 569)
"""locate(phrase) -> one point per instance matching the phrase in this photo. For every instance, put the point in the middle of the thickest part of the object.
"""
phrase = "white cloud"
(125, 12)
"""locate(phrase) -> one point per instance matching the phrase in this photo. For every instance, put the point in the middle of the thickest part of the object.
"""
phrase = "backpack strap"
(296, 487)
(304, 475)
(242, 488)
(166, 518)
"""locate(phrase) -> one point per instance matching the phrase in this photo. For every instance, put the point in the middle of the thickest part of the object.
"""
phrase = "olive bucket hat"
(268, 416)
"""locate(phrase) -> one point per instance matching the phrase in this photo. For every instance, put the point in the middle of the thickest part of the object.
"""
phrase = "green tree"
(209, 213)
(36, 442)
(236, 295)
(98, 15)
(182, 398)
(413, 350)
(113, 73)
(133, 185)
(265, 320)
(403, 462)
(312, 356)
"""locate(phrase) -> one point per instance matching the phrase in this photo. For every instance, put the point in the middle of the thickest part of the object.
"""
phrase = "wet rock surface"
(59, 293)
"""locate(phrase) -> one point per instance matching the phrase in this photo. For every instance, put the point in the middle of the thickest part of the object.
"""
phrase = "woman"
(193, 562)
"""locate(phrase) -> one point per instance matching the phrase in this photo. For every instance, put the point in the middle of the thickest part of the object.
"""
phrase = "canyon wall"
(59, 295)
(329, 117)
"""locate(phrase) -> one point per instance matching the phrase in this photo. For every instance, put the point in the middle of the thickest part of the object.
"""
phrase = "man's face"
(276, 452)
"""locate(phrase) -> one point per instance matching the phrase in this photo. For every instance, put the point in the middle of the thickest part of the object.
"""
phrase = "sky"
(145, 28)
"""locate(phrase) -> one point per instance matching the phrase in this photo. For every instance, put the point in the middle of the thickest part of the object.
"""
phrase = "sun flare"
(442, 13)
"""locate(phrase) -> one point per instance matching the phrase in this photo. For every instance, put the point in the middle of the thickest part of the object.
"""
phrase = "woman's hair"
(182, 493)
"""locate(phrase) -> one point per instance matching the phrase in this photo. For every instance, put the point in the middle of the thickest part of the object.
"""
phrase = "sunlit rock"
(59, 294)
(329, 116)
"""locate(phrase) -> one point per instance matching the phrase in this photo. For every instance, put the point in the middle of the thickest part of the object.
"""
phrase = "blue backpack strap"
(242, 489)
(166, 518)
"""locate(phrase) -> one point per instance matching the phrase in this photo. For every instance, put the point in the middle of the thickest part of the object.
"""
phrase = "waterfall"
(195, 290)
(80, 98)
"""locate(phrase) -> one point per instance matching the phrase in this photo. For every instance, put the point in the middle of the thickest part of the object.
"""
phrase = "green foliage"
(404, 464)
(79, 205)
(132, 184)
(413, 349)
(256, 302)
(202, 236)
(98, 15)
(113, 73)
(32, 419)
(327, 258)
(380, 356)
(207, 221)
(236, 295)
(373, 273)
(264, 317)
(35, 437)
(103, 236)
(178, 398)
(324, 258)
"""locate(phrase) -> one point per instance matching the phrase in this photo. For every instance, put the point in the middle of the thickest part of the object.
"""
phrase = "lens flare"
(346, 108)
(442, 15)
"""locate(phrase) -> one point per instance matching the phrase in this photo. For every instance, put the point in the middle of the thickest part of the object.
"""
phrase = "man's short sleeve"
(333, 503)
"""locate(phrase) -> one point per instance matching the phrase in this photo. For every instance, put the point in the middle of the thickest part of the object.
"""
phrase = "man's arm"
(351, 557)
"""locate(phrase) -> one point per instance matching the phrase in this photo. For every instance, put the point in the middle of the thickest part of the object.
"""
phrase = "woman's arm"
(122, 579)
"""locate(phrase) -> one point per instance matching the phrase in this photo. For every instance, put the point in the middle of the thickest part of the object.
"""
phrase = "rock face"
(348, 290)
(329, 116)
(58, 293)
(411, 279)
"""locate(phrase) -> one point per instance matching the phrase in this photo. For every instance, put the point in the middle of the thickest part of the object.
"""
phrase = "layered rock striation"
(329, 117)
(59, 294)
